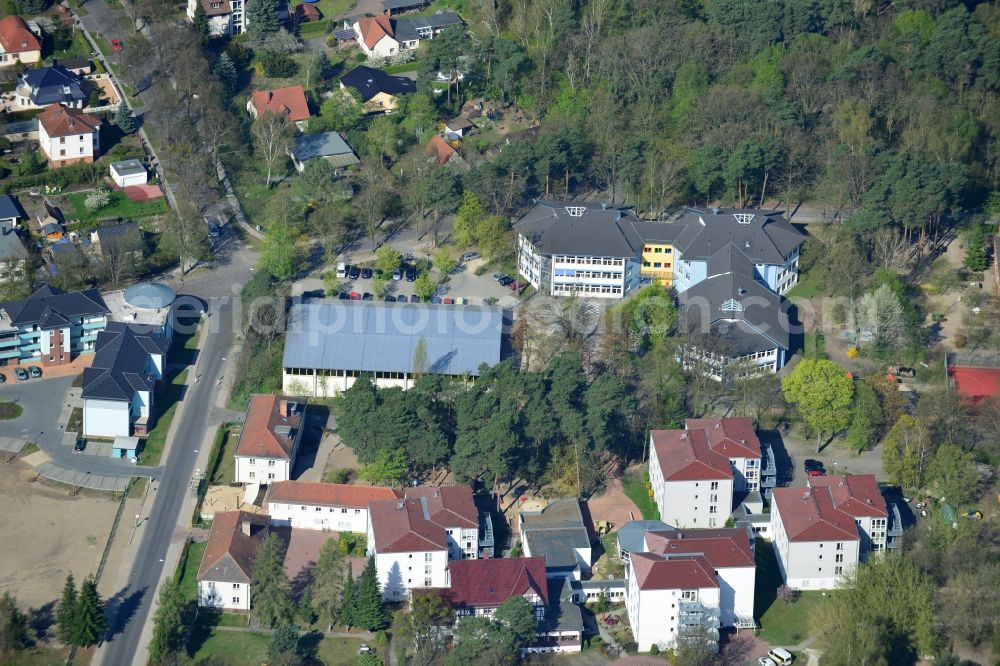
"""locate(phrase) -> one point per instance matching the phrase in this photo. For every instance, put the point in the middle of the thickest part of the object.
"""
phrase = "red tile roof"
(290, 100)
(230, 552)
(733, 438)
(685, 455)
(262, 434)
(308, 12)
(57, 120)
(327, 494)
(654, 572)
(16, 37)
(724, 547)
(374, 28)
(404, 526)
(449, 506)
(439, 149)
(488, 583)
(809, 514)
(222, 9)
(857, 496)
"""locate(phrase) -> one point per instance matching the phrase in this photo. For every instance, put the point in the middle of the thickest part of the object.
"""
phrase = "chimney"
(283, 409)
(269, 95)
(245, 523)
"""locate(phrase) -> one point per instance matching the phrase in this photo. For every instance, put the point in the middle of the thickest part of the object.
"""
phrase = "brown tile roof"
(290, 100)
(230, 552)
(16, 37)
(724, 547)
(449, 506)
(809, 514)
(374, 28)
(685, 455)
(263, 429)
(308, 12)
(733, 438)
(490, 582)
(654, 572)
(439, 149)
(858, 496)
(327, 494)
(57, 120)
(403, 526)
(223, 8)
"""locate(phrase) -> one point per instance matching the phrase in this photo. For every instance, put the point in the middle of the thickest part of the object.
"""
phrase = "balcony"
(894, 533)
(696, 615)
(769, 470)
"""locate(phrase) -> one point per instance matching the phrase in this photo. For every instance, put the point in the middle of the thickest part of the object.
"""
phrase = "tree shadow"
(201, 628)
(41, 620)
(309, 646)
(120, 608)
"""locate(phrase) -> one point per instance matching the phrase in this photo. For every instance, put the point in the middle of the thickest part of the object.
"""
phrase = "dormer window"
(744, 218)
(65, 90)
(576, 211)
(731, 305)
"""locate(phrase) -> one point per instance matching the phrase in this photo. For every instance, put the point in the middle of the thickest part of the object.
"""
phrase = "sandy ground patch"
(613, 505)
(47, 534)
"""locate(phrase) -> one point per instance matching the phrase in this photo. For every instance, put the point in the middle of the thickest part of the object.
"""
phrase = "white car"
(766, 661)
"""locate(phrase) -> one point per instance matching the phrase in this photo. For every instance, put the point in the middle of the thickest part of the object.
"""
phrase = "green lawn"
(166, 405)
(39, 656)
(805, 288)
(232, 647)
(188, 574)
(121, 206)
(9, 410)
(635, 489)
(814, 345)
(331, 8)
(780, 623)
(225, 469)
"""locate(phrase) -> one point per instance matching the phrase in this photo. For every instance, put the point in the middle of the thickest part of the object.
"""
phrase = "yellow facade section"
(658, 263)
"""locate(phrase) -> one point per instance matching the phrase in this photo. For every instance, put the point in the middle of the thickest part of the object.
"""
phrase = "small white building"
(270, 439)
(410, 550)
(128, 172)
(228, 17)
(323, 506)
(227, 565)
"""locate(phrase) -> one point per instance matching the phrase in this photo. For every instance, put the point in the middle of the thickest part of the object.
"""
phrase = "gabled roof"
(439, 149)
(128, 167)
(370, 82)
(857, 495)
(48, 299)
(11, 247)
(721, 548)
(459, 123)
(267, 433)
(404, 526)
(588, 229)
(230, 553)
(685, 455)
(763, 235)
(10, 208)
(449, 506)
(487, 583)
(810, 514)
(222, 8)
(326, 494)
(290, 100)
(122, 354)
(732, 437)
(654, 572)
(412, 28)
(329, 145)
(374, 28)
(57, 120)
(52, 85)
(16, 37)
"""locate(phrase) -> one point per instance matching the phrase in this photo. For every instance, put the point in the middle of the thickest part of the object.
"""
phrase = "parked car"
(414, 298)
(366, 274)
(22, 374)
(355, 296)
(389, 298)
(469, 256)
(448, 300)
(765, 661)
(397, 275)
(213, 230)
(364, 648)
(816, 472)
(506, 280)
(378, 273)
(116, 45)
(411, 275)
(35, 371)
(367, 297)
(258, 228)
(353, 273)
(459, 300)
(80, 445)
(3, 379)
(780, 656)
(435, 299)
(500, 277)
(341, 270)
(810, 464)
(344, 296)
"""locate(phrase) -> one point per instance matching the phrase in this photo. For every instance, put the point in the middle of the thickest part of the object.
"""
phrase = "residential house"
(269, 441)
(126, 173)
(457, 128)
(821, 532)
(323, 506)
(116, 240)
(119, 386)
(378, 91)
(692, 483)
(67, 136)
(453, 508)
(52, 229)
(51, 326)
(79, 66)
(227, 566)
(375, 36)
(17, 43)
(410, 549)
(478, 587)
(10, 211)
(228, 17)
(397, 7)
(381, 36)
(290, 101)
(440, 151)
(307, 13)
(13, 254)
(330, 343)
(557, 533)
(43, 86)
(329, 146)
(736, 439)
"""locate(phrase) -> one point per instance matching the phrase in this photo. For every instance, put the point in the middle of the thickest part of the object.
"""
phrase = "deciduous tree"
(822, 392)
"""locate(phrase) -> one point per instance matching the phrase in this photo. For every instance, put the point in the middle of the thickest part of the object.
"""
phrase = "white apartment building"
(692, 484)
(68, 136)
(410, 550)
(323, 506)
(860, 497)
(228, 17)
(453, 508)
(269, 441)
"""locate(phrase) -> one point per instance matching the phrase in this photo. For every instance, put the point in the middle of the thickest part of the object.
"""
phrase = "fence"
(973, 358)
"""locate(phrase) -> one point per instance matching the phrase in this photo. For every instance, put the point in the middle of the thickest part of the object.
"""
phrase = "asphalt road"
(173, 487)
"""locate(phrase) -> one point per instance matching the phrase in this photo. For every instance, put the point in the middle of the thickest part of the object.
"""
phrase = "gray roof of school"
(328, 144)
(554, 533)
(599, 232)
(632, 535)
(766, 237)
(373, 336)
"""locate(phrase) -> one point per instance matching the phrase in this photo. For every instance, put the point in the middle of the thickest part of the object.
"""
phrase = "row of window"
(567, 290)
(617, 277)
(270, 476)
(596, 261)
(323, 372)
(270, 463)
(657, 250)
(655, 264)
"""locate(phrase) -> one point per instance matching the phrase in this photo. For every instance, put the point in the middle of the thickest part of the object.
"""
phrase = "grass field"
(814, 345)
(10, 411)
(780, 623)
(166, 404)
(41, 656)
(189, 572)
(225, 471)
(635, 489)
(251, 648)
(806, 288)
(120, 206)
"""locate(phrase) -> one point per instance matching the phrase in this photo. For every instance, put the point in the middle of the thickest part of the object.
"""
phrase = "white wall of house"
(736, 592)
(398, 573)
(106, 418)
(72, 147)
(873, 533)
(811, 565)
(383, 48)
(317, 517)
(463, 543)
(690, 504)
(128, 179)
(653, 614)
(333, 383)
(11, 59)
(262, 470)
(746, 474)
(227, 596)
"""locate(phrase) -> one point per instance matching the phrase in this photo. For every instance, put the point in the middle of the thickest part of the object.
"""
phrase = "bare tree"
(373, 199)
(890, 249)
(122, 255)
(271, 133)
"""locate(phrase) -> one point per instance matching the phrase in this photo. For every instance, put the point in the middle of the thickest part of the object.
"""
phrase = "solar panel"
(345, 34)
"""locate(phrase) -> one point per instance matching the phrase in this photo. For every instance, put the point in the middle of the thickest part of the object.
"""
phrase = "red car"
(816, 472)
(355, 296)
(116, 45)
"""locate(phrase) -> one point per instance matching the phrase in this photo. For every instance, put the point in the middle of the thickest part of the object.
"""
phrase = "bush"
(340, 475)
(98, 199)
(278, 65)
(654, 649)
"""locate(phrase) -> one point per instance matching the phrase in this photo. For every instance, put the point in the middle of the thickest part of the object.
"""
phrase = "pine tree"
(15, 632)
(326, 583)
(168, 623)
(66, 610)
(225, 70)
(200, 22)
(348, 602)
(89, 622)
(272, 594)
(283, 649)
(261, 20)
(370, 609)
(124, 119)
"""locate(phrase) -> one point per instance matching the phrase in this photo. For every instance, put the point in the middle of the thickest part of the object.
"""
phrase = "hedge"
(76, 174)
